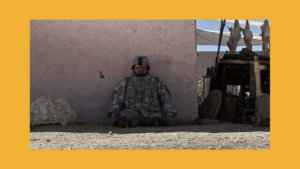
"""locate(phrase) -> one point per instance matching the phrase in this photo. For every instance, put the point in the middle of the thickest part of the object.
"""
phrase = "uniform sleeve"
(165, 99)
(117, 98)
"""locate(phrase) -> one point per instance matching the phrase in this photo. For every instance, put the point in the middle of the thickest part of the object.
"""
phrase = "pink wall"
(66, 57)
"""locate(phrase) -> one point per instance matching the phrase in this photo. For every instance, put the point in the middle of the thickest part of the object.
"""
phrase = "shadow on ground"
(93, 128)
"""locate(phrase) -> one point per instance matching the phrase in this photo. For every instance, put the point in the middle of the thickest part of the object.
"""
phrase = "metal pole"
(220, 40)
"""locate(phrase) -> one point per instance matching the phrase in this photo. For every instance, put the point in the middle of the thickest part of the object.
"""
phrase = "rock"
(51, 109)
(262, 110)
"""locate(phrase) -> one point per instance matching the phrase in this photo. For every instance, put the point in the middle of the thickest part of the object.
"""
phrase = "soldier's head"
(140, 65)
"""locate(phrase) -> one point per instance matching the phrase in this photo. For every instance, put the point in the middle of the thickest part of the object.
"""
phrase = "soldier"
(141, 99)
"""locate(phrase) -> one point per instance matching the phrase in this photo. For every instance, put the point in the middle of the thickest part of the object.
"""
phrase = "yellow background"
(15, 83)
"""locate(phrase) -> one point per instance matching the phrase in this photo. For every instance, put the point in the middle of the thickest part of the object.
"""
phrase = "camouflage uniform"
(140, 99)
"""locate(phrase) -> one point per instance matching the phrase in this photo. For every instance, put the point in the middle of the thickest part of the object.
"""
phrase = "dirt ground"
(200, 137)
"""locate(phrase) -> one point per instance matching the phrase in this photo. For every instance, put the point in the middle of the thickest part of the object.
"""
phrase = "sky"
(214, 25)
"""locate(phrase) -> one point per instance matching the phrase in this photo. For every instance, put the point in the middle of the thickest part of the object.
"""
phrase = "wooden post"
(257, 76)
(252, 84)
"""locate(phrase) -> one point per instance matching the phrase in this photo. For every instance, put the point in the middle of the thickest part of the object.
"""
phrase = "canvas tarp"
(212, 38)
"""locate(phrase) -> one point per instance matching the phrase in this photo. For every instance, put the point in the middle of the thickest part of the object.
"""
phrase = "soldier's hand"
(113, 114)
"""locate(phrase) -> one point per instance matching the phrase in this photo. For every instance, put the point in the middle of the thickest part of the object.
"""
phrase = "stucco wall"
(68, 56)
(205, 60)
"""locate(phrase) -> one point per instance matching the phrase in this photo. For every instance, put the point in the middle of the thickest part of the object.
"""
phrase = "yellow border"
(15, 81)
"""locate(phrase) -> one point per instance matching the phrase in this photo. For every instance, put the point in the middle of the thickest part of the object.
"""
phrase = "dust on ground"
(194, 137)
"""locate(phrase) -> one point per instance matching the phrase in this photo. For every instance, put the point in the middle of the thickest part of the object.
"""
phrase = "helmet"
(141, 60)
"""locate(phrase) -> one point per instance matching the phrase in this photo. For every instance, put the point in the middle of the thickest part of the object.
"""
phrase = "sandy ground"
(201, 137)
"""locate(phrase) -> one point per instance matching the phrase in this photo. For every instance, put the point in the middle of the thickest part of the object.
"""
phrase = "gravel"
(193, 137)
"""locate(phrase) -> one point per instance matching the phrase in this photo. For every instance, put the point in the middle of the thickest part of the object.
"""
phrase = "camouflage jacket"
(144, 94)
